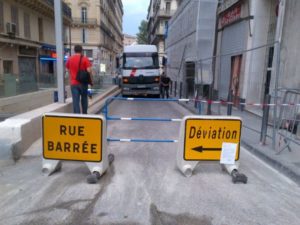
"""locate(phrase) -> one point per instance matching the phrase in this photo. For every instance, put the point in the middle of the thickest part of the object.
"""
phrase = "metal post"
(180, 90)
(199, 107)
(59, 51)
(265, 119)
(70, 40)
(230, 103)
(175, 89)
(278, 36)
(276, 94)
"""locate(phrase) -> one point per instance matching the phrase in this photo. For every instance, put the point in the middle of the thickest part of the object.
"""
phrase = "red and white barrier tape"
(243, 104)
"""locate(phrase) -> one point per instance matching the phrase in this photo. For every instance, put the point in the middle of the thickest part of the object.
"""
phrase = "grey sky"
(134, 12)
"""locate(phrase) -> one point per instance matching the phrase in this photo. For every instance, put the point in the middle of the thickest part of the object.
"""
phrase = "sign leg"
(186, 167)
(51, 166)
(98, 169)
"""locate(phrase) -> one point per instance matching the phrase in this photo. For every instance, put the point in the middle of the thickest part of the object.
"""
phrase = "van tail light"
(125, 80)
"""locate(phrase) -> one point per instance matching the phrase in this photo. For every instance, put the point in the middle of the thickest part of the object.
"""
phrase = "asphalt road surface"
(143, 185)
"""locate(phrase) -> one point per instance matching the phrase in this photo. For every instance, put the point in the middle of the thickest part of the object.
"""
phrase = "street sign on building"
(73, 137)
(204, 137)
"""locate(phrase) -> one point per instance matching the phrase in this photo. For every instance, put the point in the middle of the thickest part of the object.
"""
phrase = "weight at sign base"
(201, 139)
(75, 137)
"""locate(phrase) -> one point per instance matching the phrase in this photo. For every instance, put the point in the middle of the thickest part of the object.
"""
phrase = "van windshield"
(140, 61)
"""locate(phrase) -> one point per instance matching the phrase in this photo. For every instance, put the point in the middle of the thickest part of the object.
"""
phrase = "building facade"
(129, 40)
(289, 35)
(159, 13)
(97, 26)
(27, 35)
(246, 41)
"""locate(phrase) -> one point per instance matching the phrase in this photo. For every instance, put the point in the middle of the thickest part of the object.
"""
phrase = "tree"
(142, 36)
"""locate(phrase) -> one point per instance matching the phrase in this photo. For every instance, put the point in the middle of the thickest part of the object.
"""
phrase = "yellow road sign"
(204, 137)
(71, 137)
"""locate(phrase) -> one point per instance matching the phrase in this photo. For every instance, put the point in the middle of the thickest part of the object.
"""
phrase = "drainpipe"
(214, 61)
(197, 44)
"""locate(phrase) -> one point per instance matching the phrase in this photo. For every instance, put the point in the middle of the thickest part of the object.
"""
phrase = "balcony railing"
(66, 9)
(164, 12)
(83, 21)
(46, 7)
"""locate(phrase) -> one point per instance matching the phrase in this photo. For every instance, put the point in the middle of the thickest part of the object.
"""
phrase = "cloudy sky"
(134, 12)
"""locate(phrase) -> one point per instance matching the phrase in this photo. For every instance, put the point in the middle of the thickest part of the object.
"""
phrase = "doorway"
(234, 89)
(27, 75)
(190, 79)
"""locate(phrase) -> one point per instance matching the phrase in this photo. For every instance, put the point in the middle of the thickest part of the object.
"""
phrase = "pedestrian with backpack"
(80, 70)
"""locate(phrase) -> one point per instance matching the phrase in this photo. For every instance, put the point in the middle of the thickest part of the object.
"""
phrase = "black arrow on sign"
(201, 149)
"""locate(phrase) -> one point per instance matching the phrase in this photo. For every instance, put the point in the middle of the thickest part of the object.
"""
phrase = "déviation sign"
(204, 137)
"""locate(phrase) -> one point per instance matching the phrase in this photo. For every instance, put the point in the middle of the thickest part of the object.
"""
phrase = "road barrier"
(110, 118)
(74, 137)
(201, 138)
(109, 100)
(141, 140)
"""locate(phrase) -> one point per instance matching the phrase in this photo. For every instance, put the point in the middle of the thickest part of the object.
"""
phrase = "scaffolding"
(288, 128)
(191, 38)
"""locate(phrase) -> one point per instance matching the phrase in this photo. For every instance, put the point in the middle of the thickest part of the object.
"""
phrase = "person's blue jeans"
(165, 91)
(80, 93)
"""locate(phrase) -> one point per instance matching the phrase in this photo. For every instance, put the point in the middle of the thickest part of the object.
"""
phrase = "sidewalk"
(20, 131)
(286, 162)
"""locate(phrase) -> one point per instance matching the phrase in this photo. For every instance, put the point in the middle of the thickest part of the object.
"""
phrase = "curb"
(274, 163)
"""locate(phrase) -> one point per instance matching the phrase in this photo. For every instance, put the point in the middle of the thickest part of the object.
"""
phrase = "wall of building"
(129, 40)
(252, 89)
(48, 23)
(25, 47)
(9, 52)
(108, 15)
(158, 17)
(290, 48)
(256, 24)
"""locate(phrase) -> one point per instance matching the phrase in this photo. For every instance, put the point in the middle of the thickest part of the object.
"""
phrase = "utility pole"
(59, 51)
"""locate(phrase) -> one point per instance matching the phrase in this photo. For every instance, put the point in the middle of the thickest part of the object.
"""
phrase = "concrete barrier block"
(6, 149)
(18, 133)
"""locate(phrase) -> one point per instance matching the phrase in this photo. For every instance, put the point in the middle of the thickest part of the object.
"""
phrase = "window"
(41, 29)
(88, 53)
(27, 26)
(15, 18)
(84, 15)
(83, 35)
(1, 17)
(7, 66)
(141, 60)
(168, 7)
